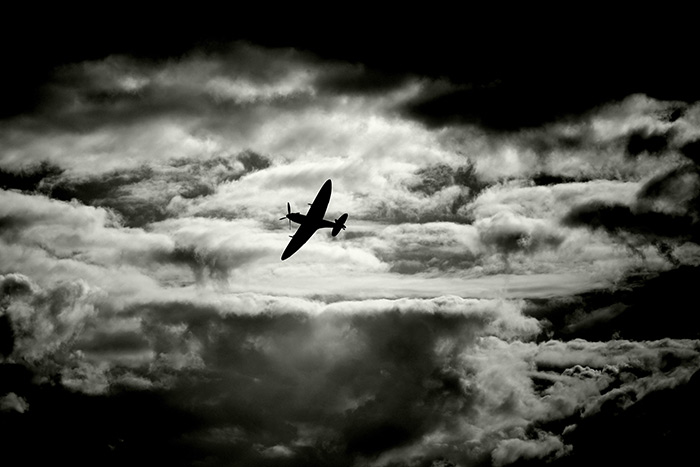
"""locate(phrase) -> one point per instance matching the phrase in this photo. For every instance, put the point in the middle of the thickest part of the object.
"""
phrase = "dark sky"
(515, 284)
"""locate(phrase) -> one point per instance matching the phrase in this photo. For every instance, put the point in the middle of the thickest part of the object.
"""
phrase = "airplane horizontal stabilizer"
(339, 224)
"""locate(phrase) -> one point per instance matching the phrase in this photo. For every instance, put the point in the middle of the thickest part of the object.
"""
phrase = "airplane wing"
(301, 236)
(318, 207)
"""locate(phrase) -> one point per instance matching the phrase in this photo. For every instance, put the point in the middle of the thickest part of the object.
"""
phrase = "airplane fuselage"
(299, 218)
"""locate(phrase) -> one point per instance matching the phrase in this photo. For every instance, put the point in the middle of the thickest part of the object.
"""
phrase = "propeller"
(289, 211)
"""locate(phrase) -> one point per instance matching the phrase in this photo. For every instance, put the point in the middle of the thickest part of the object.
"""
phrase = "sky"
(515, 286)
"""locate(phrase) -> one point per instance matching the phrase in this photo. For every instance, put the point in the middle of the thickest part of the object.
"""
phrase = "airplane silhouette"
(312, 221)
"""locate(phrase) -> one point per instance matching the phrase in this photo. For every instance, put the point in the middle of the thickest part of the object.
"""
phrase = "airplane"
(312, 221)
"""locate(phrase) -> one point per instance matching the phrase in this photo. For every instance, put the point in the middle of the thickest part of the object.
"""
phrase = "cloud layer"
(509, 283)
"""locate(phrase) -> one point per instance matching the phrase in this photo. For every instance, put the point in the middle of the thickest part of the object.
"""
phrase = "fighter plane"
(312, 221)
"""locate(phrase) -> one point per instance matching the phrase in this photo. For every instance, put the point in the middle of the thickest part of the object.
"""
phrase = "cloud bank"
(510, 286)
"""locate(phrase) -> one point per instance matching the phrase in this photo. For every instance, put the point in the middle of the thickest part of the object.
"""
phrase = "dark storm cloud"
(270, 380)
(11, 285)
(620, 219)
(679, 188)
(345, 385)
(665, 213)
(527, 84)
(650, 142)
(501, 105)
(42, 320)
(28, 178)
(204, 102)
(124, 427)
(640, 308)
(654, 139)
(513, 102)
(434, 178)
(417, 393)
(545, 142)
(67, 40)
(534, 81)
(663, 420)
(545, 179)
(429, 182)
(691, 150)
(359, 79)
(513, 236)
(7, 336)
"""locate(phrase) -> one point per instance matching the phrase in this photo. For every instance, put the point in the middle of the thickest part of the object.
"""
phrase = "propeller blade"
(290, 224)
(283, 218)
(289, 208)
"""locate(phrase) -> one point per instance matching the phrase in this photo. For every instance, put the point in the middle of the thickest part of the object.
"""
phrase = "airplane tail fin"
(339, 224)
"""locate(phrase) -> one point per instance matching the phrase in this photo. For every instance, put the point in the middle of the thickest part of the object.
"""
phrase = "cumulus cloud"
(12, 402)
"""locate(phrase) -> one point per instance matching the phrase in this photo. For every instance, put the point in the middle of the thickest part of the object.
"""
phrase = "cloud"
(509, 234)
(630, 310)
(480, 308)
(73, 231)
(622, 219)
(85, 243)
(12, 402)
(143, 195)
(664, 213)
(201, 105)
(589, 146)
(360, 79)
(642, 141)
(692, 150)
(503, 105)
(420, 247)
(378, 397)
(44, 320)
(451, 247)
(217, 247)
(547, 202)
(83, 237)
(510, 450)
(28, 178)
(674, 192)
(132, 111)
(372, 403)
(380, 380)
(434, 178)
